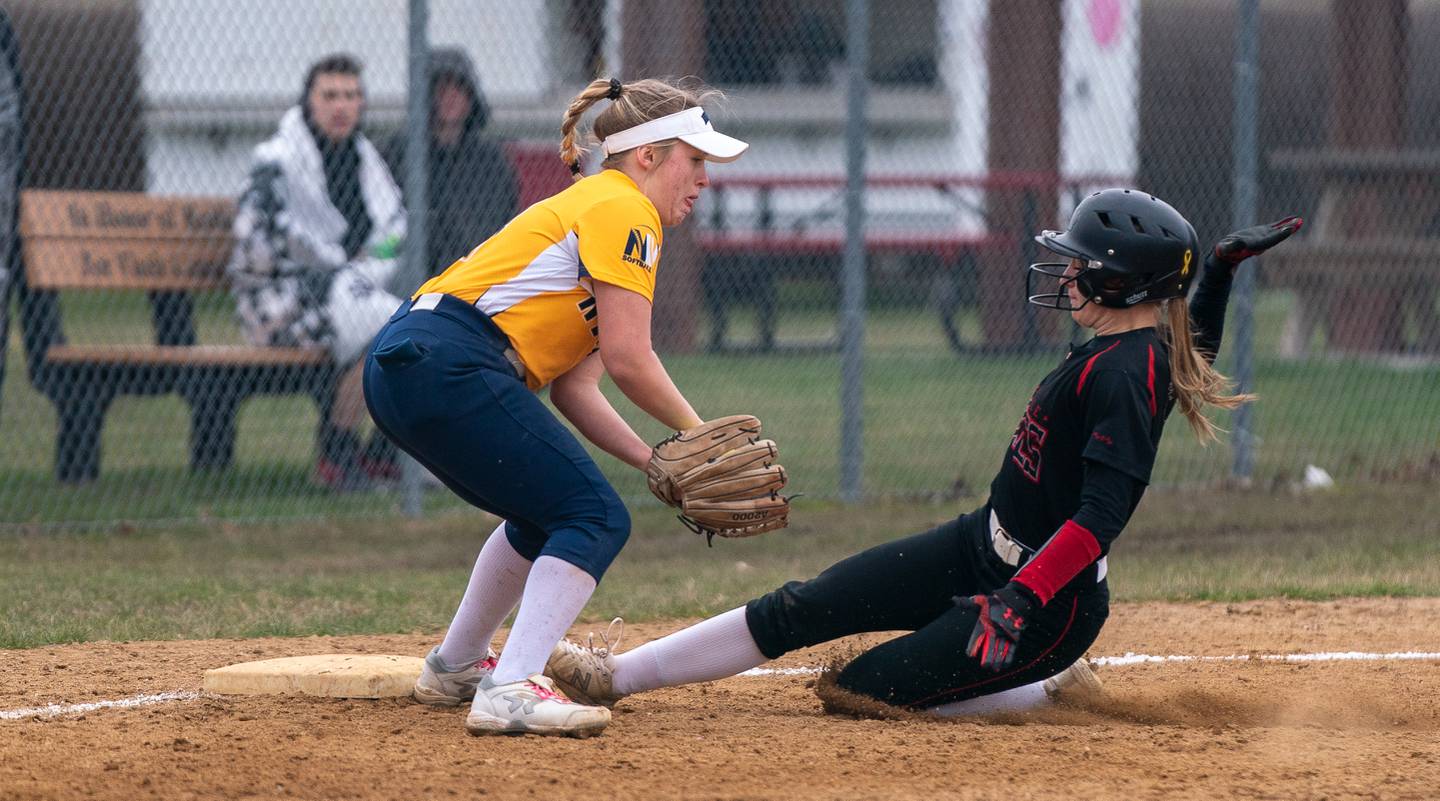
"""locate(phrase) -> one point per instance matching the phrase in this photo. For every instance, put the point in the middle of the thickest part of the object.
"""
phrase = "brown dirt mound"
(1335, 730)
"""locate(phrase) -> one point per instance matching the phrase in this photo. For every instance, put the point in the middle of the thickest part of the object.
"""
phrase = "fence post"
(417, 200)
(1029, 224)
(1245, 128)
(852, 297)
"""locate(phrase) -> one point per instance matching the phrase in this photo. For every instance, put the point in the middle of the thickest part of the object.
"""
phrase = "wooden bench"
(1399, 263)
(170, 248)
(745, 265)
(743, 261)
(1366, 263)
(1365, 290)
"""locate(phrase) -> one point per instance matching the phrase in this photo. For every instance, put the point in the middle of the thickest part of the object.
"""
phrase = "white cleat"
(531, 706)
(1075, 682)
(586, 673)
(439, 686)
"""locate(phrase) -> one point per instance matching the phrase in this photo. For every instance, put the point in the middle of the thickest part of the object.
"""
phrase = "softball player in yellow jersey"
(558, 297)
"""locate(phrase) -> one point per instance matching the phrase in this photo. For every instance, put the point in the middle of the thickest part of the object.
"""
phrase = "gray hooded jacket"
(473, 190)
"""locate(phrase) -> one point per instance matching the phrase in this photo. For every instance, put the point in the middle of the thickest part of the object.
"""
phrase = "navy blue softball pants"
(438, 384)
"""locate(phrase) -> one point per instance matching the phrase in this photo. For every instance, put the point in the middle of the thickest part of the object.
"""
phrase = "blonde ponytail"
(631, 104)
(1194, 380)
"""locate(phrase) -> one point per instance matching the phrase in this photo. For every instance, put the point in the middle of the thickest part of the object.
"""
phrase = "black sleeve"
(1107, 499)
(1120, 412)
(1207, 306)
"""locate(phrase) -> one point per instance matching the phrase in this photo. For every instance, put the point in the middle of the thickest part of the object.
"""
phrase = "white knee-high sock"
(554, 595)
(711, 649)
(1018, 699)
(495, 587)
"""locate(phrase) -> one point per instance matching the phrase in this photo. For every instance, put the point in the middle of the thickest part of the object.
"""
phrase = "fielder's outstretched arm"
(577, 395)
(630, 360)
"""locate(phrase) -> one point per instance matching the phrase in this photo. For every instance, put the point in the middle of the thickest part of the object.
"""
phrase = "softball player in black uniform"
(1014, 592)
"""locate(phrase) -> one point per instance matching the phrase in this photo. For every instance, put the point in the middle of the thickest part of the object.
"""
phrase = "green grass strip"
(361, 575)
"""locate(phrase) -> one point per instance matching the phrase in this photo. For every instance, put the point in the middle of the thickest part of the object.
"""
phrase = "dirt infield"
(1361, 729)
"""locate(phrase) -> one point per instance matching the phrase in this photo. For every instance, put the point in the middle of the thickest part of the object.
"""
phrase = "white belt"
(1012, 553)
(428, 302)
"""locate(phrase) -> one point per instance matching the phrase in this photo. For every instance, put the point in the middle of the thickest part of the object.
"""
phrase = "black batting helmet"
(1134, 247)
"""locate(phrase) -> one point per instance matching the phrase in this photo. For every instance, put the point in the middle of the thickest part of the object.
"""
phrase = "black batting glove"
(1241, 245)
(1002, 618)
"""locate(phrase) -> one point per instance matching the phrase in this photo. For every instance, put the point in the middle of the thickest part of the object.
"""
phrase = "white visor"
(691, 126)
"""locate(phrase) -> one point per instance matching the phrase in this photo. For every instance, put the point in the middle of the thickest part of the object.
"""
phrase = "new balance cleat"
(586, 673)
(440, 686)
(1075, 682)
(531, 706)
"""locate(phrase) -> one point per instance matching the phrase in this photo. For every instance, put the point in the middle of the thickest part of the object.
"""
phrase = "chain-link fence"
(146, 381)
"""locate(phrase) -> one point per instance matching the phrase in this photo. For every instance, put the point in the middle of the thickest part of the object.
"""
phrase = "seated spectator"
(472, 187)
(317, 232)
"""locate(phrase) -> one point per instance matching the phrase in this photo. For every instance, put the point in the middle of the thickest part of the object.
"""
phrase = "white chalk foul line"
(805, 671)
(1333, 656)
(55, 710)
(1146, 659)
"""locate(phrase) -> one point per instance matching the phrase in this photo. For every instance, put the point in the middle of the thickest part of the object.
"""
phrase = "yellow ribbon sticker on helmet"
(1185, 267)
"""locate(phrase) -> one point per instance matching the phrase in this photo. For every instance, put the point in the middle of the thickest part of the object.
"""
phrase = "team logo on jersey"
(1029, 441)
(642, 248)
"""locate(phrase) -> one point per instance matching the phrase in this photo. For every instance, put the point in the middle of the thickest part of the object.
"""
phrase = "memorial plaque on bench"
(116, 240)
(168, 247)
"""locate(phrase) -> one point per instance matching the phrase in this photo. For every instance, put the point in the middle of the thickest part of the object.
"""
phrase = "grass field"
(935, 424)
(361, 576)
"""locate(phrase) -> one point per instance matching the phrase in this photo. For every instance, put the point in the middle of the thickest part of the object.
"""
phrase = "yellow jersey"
(534, 276)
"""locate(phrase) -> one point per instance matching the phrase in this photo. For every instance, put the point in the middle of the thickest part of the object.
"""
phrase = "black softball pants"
(911, 585)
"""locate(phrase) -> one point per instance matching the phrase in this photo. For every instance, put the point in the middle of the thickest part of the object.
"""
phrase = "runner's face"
(1089, 315)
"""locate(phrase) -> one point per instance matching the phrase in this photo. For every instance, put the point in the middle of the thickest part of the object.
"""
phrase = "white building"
(218, 73)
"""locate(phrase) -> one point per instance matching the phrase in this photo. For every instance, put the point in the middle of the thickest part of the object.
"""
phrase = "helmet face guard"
(1134, 247)
(1108, 288)
(1060, 298)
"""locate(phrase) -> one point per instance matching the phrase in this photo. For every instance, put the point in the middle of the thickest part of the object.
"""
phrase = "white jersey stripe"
(554, 270)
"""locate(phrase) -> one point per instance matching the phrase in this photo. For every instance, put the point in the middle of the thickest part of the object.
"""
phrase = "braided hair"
(631, 104)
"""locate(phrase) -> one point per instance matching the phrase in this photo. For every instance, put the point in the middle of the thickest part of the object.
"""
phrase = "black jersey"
(1107, 402)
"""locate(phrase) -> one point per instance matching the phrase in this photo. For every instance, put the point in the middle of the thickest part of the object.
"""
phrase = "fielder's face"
(335, 100)
(674, 184)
